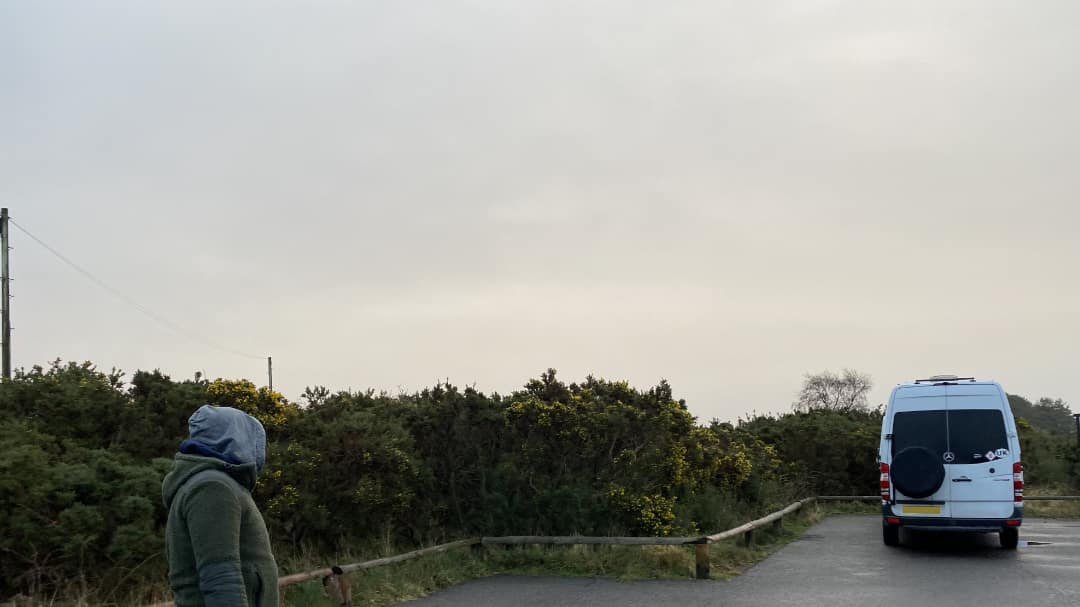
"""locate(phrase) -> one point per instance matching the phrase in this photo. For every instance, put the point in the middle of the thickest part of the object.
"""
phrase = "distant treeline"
(82, 454)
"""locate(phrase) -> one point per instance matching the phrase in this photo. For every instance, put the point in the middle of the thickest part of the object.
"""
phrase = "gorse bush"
(75, 515)
(82, 455)
(824, 451)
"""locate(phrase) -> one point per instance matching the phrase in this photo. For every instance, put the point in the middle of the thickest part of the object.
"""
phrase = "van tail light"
(1018, 483)
(886, 487)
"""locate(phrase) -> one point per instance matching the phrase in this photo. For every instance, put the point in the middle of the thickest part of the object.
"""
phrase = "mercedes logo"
(948, 457)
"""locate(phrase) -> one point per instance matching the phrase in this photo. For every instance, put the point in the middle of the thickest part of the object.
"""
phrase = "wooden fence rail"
(572, 540)
(761, 522)
(298, 578)
(701, 543)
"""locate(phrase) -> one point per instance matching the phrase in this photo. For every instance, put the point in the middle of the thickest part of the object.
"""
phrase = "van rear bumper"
(974, 525)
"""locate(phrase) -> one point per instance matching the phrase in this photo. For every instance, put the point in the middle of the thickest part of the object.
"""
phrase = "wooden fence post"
(701, 554)
(748, 538)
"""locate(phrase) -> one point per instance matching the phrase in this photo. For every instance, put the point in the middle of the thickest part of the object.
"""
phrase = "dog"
(338, 588)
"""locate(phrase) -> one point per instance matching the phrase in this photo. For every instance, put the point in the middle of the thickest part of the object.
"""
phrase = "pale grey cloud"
(386, 193)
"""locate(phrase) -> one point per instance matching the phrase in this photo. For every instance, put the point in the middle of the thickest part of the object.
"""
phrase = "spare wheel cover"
(917, 472)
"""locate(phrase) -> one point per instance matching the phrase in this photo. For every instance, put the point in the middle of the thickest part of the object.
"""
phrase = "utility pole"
(5, 293)
(1076, 416)
(270, 372)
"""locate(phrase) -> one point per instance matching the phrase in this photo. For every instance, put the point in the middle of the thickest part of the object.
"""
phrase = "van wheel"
(891, 535)
(1010, 537)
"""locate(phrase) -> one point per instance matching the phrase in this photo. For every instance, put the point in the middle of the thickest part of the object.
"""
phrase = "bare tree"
(844, 391)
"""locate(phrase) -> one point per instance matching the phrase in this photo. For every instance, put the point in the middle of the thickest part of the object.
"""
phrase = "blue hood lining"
(190, 447)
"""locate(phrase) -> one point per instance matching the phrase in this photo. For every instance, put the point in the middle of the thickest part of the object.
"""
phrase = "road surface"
(839, 562)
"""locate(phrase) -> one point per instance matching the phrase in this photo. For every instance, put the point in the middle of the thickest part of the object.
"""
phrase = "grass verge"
(413, 579)
(1051, 509)
(396, 583)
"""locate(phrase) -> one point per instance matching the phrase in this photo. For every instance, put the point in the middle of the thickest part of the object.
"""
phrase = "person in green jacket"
(216, 541)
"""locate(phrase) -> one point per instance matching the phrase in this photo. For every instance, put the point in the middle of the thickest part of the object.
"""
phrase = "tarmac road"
(839, 562)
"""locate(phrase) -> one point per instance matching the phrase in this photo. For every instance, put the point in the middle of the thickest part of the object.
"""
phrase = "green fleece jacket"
(216, 541)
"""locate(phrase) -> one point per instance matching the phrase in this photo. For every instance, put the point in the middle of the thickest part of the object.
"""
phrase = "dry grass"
(1051, 509)
(395, 583)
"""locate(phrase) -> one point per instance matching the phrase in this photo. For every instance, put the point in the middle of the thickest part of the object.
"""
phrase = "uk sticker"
(990, 455)
(1000, 453)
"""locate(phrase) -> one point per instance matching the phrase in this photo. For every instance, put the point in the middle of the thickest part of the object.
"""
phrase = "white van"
(950, 460)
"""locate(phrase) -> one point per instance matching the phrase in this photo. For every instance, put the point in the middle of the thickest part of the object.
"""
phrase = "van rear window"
(920, 429)
(970, 434)
(976, 433)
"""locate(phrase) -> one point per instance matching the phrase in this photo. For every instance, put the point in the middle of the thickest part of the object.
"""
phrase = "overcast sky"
(386, 194)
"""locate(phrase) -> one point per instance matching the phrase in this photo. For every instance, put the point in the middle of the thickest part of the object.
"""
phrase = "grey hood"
(227, 434)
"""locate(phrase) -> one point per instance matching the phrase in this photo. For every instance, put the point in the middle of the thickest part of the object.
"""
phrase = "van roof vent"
(943, 378)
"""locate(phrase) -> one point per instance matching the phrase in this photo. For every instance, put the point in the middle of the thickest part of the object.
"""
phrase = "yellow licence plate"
(922, 509)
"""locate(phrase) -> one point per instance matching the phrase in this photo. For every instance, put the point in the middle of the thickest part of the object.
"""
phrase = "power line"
(131, 302)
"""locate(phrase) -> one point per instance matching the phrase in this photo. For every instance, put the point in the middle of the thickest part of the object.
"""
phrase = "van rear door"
(980, 475)
(920, 421)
